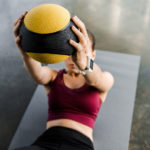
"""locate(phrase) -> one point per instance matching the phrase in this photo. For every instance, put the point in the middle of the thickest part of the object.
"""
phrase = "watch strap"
(88, 68)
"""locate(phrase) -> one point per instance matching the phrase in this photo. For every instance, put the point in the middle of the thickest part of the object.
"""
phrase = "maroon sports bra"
(81, 104)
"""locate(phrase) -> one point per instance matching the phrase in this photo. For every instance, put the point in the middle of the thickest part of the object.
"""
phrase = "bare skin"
(17, 37)
(72, 79)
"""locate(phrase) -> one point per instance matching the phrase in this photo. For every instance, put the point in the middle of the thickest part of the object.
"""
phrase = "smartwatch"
(89, 68)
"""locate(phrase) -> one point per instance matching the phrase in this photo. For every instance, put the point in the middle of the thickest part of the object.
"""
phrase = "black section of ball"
(54, 43)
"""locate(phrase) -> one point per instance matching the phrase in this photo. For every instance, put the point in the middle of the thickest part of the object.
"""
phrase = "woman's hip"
(64, 138)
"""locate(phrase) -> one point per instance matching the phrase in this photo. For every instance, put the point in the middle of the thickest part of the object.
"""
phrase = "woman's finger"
(79, 34)
(16, 28)
(20, 17)
(17, 39)
(80, 24)
(76, 45)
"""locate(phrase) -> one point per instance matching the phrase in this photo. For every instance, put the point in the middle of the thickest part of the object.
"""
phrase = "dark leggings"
(60, 138)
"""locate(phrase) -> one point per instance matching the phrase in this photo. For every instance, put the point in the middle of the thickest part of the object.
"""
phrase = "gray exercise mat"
(113, 124)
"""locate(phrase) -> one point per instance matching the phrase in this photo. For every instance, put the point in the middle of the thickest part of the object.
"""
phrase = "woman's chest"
(73, 83)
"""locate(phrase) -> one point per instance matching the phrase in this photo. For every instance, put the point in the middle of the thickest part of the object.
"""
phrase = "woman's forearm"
(33, 67)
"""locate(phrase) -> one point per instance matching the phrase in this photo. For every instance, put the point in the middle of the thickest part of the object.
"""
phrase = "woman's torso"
(72, 84)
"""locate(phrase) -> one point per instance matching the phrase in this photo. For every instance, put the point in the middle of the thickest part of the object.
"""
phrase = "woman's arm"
(99, 79)
(33, 67)
(40, 74)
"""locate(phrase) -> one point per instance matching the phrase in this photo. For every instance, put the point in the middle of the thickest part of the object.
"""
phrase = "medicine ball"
(45, 32)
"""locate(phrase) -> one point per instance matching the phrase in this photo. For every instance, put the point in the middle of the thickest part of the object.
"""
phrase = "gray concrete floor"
(118, 25)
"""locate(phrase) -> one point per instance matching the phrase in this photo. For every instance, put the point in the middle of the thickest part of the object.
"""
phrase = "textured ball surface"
(47, 18)
(45, 32)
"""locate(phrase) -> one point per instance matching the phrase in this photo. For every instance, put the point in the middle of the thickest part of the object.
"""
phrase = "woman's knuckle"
(81, 35)
(80, 47)
(18, 23)
(83, 25)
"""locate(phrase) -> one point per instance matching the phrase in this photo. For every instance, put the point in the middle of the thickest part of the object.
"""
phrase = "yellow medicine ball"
(45, 32)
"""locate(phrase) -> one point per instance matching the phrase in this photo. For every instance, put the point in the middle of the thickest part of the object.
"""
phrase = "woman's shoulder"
(56, 72)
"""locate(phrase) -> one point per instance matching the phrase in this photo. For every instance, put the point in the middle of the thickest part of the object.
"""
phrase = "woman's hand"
(16, 26)
(83, 48)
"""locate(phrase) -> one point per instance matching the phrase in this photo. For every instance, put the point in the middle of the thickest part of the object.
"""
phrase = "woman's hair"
(92, 38)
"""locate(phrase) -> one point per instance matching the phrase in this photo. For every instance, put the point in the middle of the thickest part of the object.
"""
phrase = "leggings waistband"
(66, 134)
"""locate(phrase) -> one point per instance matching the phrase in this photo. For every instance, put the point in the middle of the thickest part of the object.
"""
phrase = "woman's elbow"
(110, 79)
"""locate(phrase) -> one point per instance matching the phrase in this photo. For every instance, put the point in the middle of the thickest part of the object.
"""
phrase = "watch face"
(91, 64)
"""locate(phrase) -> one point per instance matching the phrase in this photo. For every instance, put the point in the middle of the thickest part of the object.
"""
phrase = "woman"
(74, 98)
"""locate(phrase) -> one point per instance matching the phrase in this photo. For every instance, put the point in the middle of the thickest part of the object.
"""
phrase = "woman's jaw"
(72, 71)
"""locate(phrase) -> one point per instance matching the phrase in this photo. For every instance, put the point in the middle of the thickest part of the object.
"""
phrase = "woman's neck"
(73, 74)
